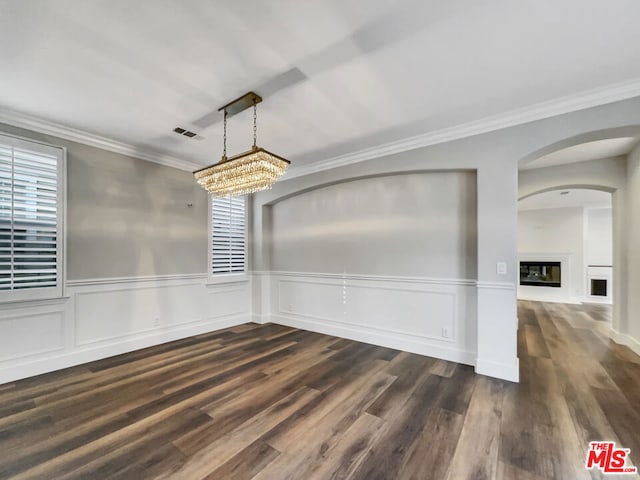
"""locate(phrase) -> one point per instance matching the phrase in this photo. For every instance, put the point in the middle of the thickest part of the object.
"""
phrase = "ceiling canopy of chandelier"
(248, 172)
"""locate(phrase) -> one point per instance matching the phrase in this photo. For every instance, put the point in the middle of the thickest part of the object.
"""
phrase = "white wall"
(599, 240)
(554, 234)
(599, 252)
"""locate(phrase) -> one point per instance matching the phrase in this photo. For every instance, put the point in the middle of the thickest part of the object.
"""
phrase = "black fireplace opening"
(598, 287)
(540, 274)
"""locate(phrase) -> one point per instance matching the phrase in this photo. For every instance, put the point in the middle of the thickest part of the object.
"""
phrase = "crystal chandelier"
(247, 172)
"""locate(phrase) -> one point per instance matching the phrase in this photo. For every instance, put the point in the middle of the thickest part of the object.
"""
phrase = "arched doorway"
(596, 162)
(565, 251)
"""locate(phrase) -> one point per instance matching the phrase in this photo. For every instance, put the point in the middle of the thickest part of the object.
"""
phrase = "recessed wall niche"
(416, 224)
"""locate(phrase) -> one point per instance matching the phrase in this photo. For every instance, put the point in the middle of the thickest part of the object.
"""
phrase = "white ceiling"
(575, 198)
(608, 148)
(336, 76)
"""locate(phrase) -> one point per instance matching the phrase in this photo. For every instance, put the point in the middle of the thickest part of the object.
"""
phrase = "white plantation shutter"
(30, 217)
(228, 232)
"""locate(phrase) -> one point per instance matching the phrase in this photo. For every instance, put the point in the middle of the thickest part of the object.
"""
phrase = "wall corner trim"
(626, 340)
(509, 372)
(260, 319)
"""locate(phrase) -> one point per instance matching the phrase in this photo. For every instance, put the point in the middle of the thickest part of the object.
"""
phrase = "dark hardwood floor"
(270, 402)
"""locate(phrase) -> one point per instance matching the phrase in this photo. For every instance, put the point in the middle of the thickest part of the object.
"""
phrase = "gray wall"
(633, 243)
(128, 217)
(418, 224)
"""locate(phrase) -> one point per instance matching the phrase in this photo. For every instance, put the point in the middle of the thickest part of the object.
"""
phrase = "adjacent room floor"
(271, 402)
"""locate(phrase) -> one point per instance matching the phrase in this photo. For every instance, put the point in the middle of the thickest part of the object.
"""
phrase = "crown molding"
(580, 101)
(572, 103)
(29, 122)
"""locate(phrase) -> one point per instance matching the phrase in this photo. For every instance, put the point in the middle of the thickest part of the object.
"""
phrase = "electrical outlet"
(445, 333)
(501, 268)
(156, 321)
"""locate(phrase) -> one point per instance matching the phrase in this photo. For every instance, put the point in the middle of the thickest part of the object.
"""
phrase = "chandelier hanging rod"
(240, 104)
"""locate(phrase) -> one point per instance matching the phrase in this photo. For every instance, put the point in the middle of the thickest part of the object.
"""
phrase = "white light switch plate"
(501, 268)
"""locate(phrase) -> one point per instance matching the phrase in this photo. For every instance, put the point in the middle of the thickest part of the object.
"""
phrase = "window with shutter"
(30, 219)
(228, 235)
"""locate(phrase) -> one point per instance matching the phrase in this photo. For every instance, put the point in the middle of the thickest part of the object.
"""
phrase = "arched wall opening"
(565, 186)
(400, 224)
(605, 175)
(565, 246)
(366, 257)
(582, 138)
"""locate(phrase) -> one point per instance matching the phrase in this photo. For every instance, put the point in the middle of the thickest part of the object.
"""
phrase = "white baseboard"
(570, 301)
(510, 372)
(598, 301)
(260, 319)
(376, 337)
(78, 357)
(626, 340)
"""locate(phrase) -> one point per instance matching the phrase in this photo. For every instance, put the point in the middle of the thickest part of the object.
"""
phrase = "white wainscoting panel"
(224, 301)
(33, 333)
(435, 317)
(114, 313)
(103, 317)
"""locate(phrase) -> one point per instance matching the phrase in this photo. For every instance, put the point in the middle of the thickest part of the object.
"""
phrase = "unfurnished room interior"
(322, 239)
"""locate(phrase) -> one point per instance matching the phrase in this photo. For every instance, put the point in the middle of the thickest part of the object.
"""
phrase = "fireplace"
(540, 274)
(599, 287)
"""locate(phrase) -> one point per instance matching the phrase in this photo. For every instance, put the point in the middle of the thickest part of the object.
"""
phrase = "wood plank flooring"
(271, 402)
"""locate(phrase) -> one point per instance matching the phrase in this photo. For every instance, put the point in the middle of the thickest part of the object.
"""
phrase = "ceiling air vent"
(187, 133)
